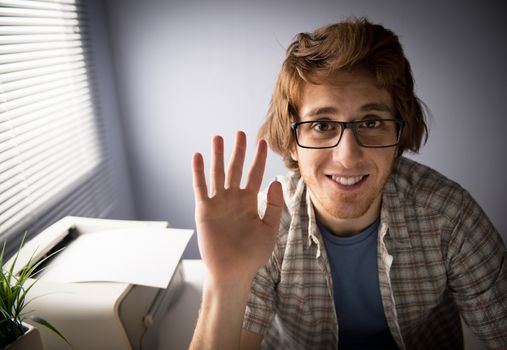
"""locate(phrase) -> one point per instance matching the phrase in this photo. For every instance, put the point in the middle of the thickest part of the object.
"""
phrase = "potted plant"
(14, 332)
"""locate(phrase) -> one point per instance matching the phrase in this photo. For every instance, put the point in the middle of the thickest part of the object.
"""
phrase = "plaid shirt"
(439, 257)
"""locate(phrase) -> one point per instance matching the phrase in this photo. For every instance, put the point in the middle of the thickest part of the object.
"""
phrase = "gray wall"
(188, 70)
(108, 107)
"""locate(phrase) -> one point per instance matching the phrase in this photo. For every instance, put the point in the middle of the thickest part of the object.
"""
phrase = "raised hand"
(234, 241)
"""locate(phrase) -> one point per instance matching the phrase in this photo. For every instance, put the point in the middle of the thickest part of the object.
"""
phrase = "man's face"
(345, 182)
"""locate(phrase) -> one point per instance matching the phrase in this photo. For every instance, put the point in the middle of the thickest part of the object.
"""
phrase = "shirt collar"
(392, 213)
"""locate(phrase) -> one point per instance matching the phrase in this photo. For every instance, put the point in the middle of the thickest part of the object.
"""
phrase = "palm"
(234, 241)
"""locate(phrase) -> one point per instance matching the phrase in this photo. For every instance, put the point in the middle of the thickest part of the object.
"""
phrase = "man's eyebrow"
(381, 107)
(374, 106)
(320, 111)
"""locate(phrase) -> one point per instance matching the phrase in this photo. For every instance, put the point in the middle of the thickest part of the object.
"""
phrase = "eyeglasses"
(371, 133)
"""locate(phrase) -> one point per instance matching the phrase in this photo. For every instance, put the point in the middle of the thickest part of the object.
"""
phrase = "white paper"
(143, 256)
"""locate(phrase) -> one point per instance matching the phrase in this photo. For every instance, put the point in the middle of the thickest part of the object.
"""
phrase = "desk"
(178, 325)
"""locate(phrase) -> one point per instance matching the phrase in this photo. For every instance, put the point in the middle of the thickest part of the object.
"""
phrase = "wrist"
(230, 287)
(221, 315)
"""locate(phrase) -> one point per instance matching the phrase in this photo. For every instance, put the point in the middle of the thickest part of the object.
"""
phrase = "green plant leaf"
(48, 325)
(13, 292)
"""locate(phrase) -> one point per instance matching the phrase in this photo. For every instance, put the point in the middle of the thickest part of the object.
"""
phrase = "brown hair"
(315, 57)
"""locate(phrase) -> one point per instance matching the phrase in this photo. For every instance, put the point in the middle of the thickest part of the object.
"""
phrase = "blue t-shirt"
(358, 303)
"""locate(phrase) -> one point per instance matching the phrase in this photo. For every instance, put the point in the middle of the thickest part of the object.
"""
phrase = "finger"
(256, 173)
(217, 165)
(200, 188)
(235, 168)
(274, 206)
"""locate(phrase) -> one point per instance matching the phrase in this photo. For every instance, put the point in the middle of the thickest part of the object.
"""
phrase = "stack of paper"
(139, 256)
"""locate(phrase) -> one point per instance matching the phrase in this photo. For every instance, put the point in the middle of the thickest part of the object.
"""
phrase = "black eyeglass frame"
(350, 125)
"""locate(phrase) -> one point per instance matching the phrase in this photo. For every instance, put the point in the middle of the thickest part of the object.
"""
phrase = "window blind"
(52, 155)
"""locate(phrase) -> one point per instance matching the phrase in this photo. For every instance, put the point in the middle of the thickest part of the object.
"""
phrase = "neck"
(350, 226)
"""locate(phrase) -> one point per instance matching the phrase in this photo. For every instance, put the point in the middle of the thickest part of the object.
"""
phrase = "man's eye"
(370, 124)
(322, 126)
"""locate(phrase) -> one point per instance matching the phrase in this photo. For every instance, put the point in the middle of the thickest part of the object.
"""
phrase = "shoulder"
(422, 187)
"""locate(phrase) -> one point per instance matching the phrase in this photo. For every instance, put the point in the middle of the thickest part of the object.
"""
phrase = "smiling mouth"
(347, 181)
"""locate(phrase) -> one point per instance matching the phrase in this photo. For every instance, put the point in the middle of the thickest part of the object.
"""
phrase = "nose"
(347, 152)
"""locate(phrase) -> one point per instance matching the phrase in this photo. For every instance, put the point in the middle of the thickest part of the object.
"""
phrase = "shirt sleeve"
(259, 312)
(260, 306)
(477, 274)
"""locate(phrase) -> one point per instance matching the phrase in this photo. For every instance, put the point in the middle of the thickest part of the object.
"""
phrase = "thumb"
(274, 205)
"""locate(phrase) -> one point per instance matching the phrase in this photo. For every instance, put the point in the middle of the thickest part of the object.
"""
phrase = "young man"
(357, 247)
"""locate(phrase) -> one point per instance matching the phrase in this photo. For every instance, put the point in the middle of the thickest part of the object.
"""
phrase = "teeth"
(347, 181)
